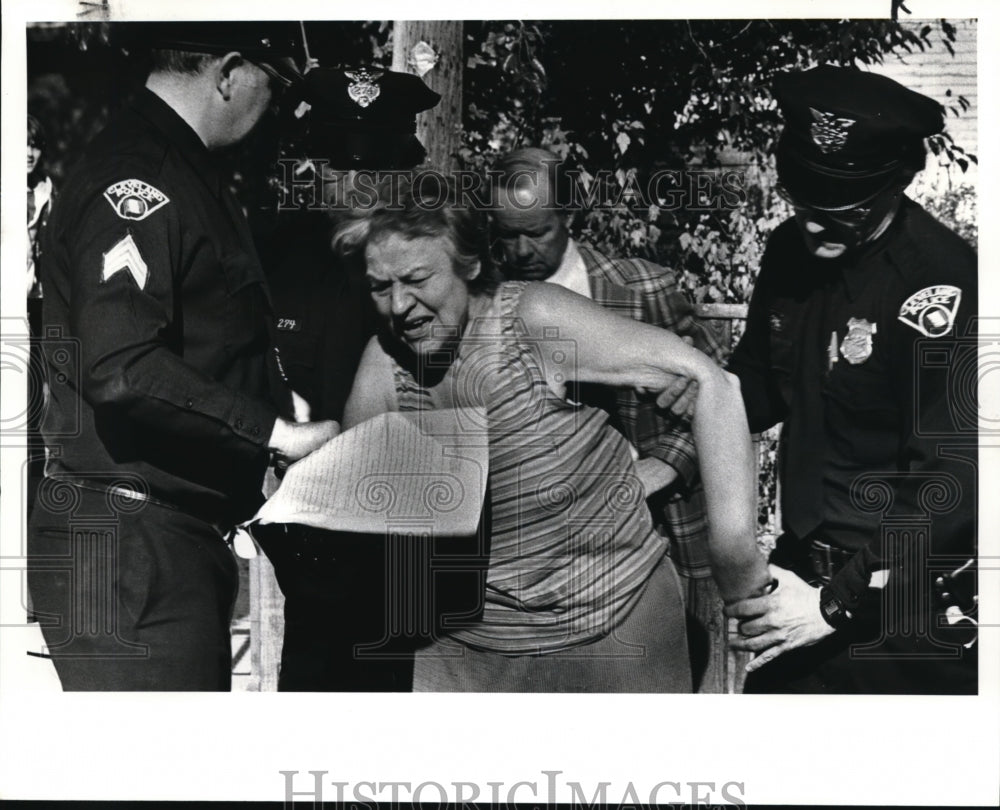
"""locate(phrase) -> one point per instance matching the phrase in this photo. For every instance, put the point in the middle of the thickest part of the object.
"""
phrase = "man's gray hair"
(185, 63)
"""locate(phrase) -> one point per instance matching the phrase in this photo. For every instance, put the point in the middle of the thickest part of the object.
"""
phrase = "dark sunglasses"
(849, 215)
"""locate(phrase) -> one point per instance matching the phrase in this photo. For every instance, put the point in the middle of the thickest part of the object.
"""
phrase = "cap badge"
(363, 88)
(857, 345)
(932, 310)
(828, 131)
(134, 199)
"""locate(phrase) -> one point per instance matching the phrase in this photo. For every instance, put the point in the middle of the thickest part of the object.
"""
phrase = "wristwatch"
(834, 611)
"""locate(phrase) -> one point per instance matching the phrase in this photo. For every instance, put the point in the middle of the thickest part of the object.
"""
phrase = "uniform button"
(255, 431)
(189, 403)
(239, 424)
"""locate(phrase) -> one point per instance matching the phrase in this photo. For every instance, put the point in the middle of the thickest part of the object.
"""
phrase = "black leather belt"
(224, 529)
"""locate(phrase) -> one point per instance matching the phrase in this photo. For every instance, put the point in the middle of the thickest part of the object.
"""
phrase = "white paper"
(411, 472)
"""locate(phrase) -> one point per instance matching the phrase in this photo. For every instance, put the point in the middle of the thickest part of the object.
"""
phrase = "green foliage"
(957, 208)
(74, 78)
(623, 101)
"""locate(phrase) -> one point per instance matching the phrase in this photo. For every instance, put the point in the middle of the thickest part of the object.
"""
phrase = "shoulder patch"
(134, 199)
(125, 256)
(932, 310)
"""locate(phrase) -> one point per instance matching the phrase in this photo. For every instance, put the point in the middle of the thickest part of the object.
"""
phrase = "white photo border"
(782, 749)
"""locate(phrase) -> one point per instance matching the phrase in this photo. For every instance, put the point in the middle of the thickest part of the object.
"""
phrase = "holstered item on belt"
(814, 560)
(958, 588)
(827, 560)
(957, 601)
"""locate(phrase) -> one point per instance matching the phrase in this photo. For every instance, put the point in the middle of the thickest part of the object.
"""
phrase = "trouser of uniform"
(878, 652)
(338, 601)
(357, 606)
(130, 595)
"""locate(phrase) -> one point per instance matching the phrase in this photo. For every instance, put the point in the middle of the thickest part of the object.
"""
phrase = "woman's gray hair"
(421, 204)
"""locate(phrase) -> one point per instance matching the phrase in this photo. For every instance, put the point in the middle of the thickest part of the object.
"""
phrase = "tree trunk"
(438, 129)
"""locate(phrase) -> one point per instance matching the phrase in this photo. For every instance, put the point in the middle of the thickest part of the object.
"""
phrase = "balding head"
(528, 219)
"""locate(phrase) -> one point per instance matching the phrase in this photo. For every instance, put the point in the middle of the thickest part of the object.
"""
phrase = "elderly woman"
(579, 594)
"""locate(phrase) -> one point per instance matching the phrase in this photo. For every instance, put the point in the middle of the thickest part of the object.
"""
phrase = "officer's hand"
(654, 474)
(787, 618)
(678, 397)
(291, 441)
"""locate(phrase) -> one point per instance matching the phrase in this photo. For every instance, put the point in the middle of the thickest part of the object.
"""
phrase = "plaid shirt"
(647, 292)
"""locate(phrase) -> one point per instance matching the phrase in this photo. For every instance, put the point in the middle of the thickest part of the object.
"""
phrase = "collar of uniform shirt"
(905, 253)
(572, 272)
(889, 247)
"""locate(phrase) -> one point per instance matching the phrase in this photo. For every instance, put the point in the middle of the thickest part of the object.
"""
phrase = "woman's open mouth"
(416, 328)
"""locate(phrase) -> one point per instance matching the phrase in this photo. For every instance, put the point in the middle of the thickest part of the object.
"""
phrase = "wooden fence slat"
(267, 626)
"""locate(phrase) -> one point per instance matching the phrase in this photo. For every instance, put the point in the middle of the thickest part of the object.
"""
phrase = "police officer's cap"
(273, 46)
(365, 117)
(849, 134)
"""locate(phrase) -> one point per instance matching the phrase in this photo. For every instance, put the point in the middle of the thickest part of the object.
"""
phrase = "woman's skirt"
(646, 652)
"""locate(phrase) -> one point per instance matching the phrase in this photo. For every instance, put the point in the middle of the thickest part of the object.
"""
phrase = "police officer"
(159, 356)
(859, 325)
(360, 125)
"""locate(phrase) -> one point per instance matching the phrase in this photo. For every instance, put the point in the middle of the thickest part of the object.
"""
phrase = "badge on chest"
(857, 345)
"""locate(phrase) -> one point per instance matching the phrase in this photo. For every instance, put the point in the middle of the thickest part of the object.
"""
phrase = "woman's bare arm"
(621, 352)
(373, 392)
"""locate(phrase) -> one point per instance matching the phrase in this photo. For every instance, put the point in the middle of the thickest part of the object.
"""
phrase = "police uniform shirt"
(858, 357)
(151, 273)
(323, 312)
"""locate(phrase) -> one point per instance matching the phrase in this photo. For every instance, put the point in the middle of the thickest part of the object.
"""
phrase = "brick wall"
(934, 72)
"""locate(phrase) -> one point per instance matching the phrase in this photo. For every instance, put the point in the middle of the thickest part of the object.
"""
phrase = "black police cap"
(365, 117)
(274, 45)
(849, 134)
